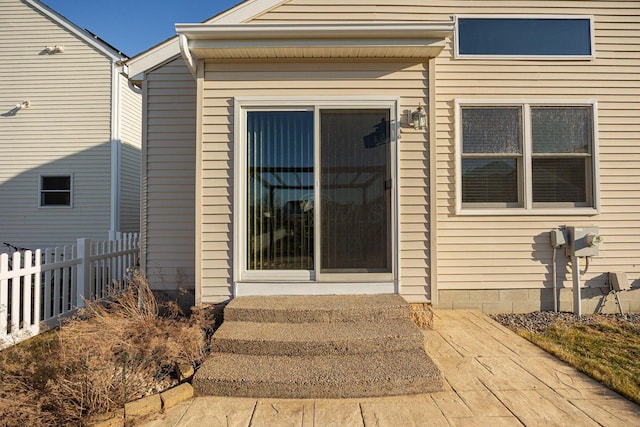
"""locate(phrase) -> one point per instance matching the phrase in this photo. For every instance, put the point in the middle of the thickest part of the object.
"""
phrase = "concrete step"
(317, 347)
(317, 309)
(327, 377)
(299, 339)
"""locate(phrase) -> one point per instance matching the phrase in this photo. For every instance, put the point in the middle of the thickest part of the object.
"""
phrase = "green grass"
(606, 350)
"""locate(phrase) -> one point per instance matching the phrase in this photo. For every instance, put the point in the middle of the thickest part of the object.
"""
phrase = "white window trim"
(44, 175)
(244, 104)
(528, 208)
(458, 55)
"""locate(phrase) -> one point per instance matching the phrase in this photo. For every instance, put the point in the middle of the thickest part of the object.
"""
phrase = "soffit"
(311, 41)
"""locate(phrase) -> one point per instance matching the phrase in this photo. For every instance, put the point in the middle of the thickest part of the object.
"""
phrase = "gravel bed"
(538, 321)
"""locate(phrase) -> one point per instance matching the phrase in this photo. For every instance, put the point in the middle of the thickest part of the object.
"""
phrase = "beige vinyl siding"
(512, 251)
(489, 252)
(131, 140)
(169, 156)
(66, 130)
(224, 81)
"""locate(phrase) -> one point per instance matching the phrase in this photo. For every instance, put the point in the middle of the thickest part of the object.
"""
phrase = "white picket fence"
(44, 286)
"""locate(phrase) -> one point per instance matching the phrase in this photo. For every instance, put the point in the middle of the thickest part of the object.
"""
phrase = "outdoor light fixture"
(23, 104)
(419, 118)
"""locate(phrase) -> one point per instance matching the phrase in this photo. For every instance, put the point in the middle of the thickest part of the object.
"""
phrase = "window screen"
(562, 140)
(491, 155)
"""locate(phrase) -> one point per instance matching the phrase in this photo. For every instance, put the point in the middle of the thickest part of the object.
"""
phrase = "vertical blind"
(280, 194)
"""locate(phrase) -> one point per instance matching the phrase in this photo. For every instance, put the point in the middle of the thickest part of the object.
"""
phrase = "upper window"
(526, 155)
(55, 190)
(526, 37)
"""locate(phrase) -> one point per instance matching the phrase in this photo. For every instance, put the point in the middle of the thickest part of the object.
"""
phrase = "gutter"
(335, 31)
(192, 63)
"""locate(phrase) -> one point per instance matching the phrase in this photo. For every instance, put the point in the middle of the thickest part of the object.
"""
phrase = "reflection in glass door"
(355, 191)
(280, 196)
(329, 223)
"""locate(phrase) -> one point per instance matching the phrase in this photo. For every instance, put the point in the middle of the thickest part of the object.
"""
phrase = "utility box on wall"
(583, 241)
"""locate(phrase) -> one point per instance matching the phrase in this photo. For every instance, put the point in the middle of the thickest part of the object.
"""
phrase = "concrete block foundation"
(594, 300)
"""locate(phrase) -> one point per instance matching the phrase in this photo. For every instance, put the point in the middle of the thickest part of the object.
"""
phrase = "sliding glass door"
(319, 194)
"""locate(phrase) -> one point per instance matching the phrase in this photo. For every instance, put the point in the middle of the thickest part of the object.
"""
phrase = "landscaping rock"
(184, 370)
(539, 321)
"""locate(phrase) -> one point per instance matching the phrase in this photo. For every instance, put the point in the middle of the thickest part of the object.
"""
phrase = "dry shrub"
(112, 353)
(20, 405)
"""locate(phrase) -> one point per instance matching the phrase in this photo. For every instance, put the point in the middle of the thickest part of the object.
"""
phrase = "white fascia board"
(170, 48)
(337, 31)
(154, 57)
(73, 28)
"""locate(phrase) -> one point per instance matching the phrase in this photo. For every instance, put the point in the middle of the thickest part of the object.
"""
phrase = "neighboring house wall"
(169, 177)
(66, 130)
(131, 138)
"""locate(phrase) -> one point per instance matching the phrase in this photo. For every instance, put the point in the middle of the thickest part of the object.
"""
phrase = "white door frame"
(304, 282)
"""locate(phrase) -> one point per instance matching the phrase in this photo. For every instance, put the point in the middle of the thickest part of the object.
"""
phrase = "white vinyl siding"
(66, 130)
(131, 140)
(169, 157)
(224, 81)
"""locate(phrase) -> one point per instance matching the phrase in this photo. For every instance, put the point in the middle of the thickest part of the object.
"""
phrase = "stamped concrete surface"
(493, 378)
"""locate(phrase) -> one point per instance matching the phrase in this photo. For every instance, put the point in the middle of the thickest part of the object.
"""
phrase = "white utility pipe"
(577, 306)
(555, 282)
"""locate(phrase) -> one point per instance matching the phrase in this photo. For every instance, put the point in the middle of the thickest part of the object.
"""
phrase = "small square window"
(55, 190)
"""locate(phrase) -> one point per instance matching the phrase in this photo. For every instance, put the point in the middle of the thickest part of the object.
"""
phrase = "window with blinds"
(562, 139)
(526, 156)
(492, 156)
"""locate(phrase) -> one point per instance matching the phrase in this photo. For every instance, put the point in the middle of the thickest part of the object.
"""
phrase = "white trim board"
(310, 288)
(241, 275)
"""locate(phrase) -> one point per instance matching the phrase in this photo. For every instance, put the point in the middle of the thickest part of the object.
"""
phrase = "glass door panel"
(355, 191)
(280, 190)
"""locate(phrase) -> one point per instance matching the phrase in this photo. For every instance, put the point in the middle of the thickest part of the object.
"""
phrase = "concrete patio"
(493, 378)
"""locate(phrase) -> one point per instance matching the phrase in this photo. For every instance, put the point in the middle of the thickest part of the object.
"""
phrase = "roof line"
(85, 35)
(169, 48)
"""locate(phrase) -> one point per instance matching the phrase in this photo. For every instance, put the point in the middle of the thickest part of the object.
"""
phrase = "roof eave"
(319, 40)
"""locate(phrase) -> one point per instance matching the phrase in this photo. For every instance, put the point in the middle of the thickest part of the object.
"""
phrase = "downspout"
(115, 151)
(192, 63)
(124, 72)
